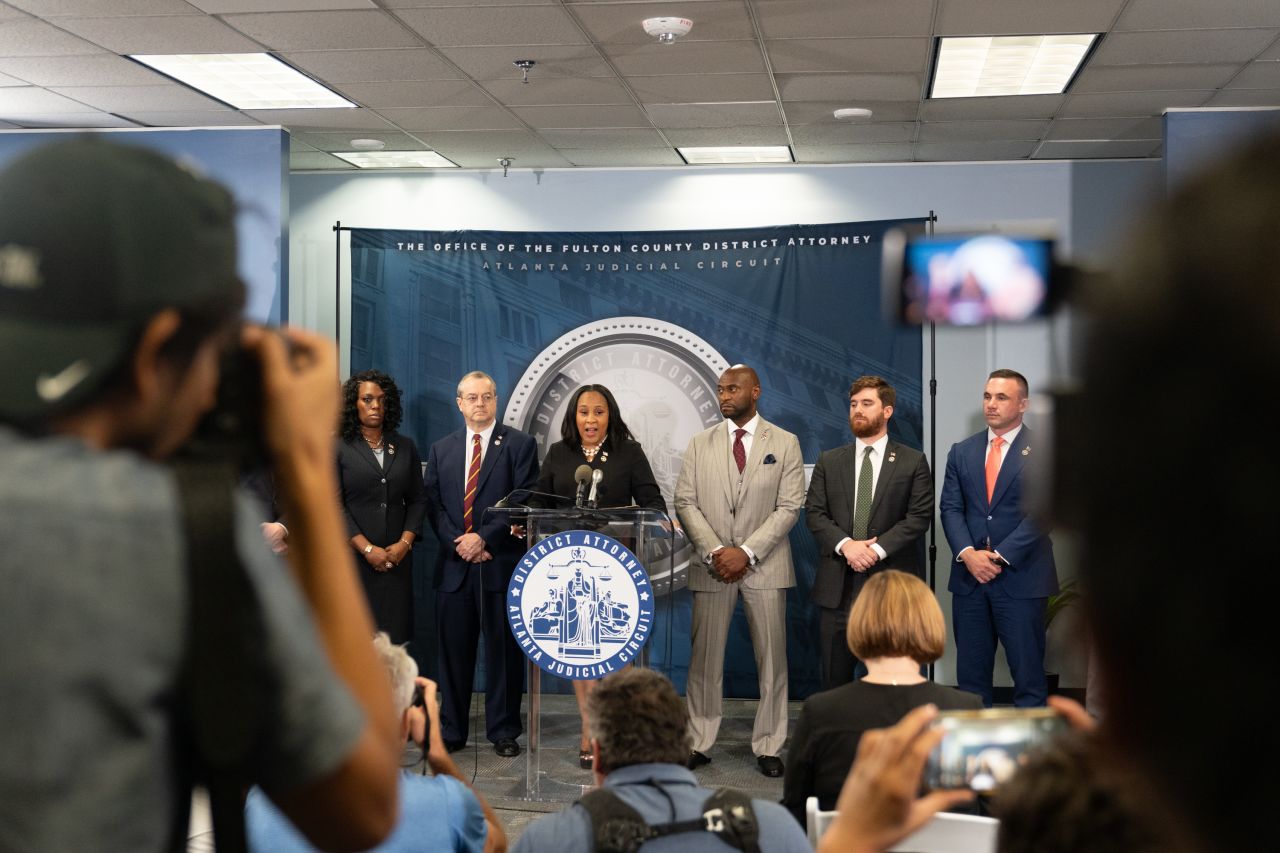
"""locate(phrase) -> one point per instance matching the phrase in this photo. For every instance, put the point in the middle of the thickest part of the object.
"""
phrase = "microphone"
(581, 476)
(596, 476)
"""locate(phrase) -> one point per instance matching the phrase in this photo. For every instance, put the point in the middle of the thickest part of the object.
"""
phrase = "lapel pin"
(604, 457)
(1026, 451)
(893, 457)
(497, 442)
(391, 449)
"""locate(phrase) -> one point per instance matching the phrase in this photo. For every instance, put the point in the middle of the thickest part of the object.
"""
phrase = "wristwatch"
(368, 549)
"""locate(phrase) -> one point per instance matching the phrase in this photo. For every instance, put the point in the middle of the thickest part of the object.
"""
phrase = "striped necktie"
(473, 479)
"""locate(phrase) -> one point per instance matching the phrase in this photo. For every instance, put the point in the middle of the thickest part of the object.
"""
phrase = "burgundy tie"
(739, 452)
(473, 477)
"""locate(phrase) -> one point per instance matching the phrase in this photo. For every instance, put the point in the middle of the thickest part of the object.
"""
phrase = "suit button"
(988, 518)
(382, 506)
(384, 479)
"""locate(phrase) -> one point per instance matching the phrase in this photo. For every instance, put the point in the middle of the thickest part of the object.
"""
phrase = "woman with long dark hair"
(594, 434)
(380, 482)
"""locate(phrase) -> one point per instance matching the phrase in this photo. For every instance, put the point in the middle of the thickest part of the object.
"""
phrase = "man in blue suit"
(467, 472)
(1004, 569)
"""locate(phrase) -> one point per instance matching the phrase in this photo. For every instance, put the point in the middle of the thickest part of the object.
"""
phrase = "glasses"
(472, 399)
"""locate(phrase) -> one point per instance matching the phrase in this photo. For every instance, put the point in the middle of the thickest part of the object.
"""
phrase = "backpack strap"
(618, 828)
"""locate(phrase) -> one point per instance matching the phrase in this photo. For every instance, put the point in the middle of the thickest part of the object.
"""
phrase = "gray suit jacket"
(901, 511)
(715, 512)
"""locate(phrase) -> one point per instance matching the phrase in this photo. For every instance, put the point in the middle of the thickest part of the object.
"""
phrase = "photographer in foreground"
(118, 292)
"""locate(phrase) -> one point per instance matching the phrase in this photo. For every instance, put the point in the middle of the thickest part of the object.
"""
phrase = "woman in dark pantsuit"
(380, 484)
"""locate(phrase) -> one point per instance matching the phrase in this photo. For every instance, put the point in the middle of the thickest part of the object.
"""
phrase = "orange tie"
(993, 466)
(473, 478)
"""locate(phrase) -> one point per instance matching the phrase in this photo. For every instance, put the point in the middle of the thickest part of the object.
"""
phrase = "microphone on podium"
(596, 476)
(581, 476)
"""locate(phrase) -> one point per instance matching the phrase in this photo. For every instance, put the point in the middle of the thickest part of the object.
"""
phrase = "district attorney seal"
(580, 605)
(664, 378)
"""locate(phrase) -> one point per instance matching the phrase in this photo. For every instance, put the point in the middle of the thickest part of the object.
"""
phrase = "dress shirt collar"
(1009, 437)
(749, 426)
(485, 434)
(879, 444)
(638, 774)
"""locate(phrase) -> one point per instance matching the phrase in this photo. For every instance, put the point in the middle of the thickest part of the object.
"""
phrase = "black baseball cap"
(95, 238)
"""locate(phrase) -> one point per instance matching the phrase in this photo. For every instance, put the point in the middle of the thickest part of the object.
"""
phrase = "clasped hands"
(859, 554)
(985, 566)
(470, 547)
(385, 559)
(730, 565)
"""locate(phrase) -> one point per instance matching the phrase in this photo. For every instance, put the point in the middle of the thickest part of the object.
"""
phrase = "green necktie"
(862, 502)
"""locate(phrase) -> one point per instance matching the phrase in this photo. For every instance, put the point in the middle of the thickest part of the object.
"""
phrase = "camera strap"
(222, 681)
(619, 828)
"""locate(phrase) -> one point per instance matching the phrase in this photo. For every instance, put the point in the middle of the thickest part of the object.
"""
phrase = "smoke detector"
(852, 113)
(667, 30)
(368, 144)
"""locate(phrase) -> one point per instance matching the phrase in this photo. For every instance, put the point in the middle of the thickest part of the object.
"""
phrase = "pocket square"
(769, 460)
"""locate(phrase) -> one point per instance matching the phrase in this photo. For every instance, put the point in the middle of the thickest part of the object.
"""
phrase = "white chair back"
(952, 833)
(816, 821)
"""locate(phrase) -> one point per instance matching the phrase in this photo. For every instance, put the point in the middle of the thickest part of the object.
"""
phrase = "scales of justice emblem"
(580, 605)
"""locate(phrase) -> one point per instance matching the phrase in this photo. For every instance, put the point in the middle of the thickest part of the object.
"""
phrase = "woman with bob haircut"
(594, 434)
(895, 628)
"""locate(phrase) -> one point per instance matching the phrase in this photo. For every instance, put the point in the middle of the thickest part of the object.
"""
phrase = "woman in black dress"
(895, 627)
(594, 434)
(380, 483)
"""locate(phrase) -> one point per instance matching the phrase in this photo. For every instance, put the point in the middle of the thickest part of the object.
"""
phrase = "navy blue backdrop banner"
(656, 316)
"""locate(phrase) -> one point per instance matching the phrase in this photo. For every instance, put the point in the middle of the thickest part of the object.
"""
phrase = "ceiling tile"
(24, 37)
(881, 152)
(548, 159)
(6, 80)
(1134, 78)
(1164, 15)
(88, 8)
(850, 132)
(1019, 17)
(962, 131)
(738, 135)
(427, 4)
(441, 93)
(623, 157)
(1097, 150)
(854, 18)
(30, 100)
(1020, 106)
(884, 55)
(494, 142)
(128, 99)
(560, 90)
(8, 13)
(169, 34)
(72, 120)
(225, 7)
(603, 138)
(352, 30)
(818, 112)
(1130, 103)
(1106, 128)
(1272, 52)
(395, 140)
(373, 66)
(708, 57)
(966, 151)
(326, 119)
(191, 118)
(612, 115)
(317, 160)
(714, 115)
(494, 25)
(452, 118)
(495, 63)
(101, 69)
(1258, 75)
(850, 87)
(620, 23)
(1245, 98)
(1193, 46)
(697, 88)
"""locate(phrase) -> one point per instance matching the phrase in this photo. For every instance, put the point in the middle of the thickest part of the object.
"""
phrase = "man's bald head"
(739, 389)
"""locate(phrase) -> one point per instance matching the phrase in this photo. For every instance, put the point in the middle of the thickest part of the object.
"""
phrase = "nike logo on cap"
(53, 388)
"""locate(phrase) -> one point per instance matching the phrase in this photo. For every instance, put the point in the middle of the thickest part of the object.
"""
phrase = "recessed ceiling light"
(699, 155)
(246, 81)
(368, 144)
(396, 159)
(988, 66)
(850, 113)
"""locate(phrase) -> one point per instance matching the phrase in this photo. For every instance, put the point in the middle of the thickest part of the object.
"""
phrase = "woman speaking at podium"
(594, 434)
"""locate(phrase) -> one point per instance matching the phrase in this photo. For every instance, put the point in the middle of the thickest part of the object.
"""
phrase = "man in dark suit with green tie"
(868, 507)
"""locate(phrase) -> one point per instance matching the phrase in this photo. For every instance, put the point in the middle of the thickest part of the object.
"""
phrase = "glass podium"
(575, 623)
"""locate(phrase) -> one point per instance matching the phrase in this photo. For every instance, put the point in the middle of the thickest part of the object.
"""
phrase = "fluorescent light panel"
(396, 159)
(700, 155)
(988, 66)
(246, 81)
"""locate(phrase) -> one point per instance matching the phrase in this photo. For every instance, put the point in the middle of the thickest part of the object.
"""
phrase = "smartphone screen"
(968, 280)
(982, 750)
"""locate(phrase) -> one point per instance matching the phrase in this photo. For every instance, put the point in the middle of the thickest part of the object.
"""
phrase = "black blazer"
(627, 479)
(380, 503)
(901, 512)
